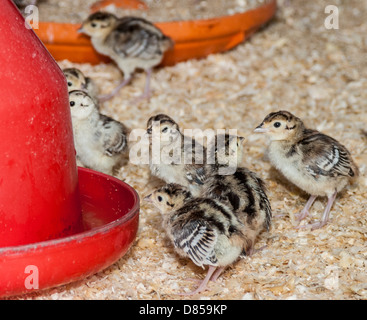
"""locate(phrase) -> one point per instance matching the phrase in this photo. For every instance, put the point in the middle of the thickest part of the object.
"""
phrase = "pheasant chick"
(202, 229)
(224, 156)
(313, 161)
(77, 81)
(172, 154)
(245, 194)
(133, 43)
(100, 141)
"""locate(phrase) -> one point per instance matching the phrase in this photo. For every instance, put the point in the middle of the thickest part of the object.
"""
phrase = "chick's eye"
(160, 198)
(277, 124)
(93, 25)
(165, 129)
(70, 84)
(72, 103)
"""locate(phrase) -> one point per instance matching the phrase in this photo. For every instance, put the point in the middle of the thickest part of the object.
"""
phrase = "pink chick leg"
(213, 278)
(304, 213)
(203, 284)
(106, 97)
(325, 216)
(216, 274)
(147, 91)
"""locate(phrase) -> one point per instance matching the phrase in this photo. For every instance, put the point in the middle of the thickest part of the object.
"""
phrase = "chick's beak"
(80, 30)
(148, 198)
(260, 129)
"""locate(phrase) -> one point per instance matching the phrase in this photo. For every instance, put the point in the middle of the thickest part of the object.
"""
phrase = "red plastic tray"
(110, 216)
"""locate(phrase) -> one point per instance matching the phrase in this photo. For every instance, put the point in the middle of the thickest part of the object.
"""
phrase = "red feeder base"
(110, 212)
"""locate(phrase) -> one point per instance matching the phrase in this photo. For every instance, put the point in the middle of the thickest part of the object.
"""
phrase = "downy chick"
(172, 154)
(245, 194)
(313, 161)
(237, 187)
(224, 156)
(202, 229)
(77, 81)
(133, 43)
(100, 141)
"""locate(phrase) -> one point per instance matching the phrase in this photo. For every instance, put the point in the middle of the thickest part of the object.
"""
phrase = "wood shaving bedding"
(294, 64)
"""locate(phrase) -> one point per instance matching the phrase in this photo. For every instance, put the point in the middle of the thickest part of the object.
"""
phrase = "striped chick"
(313, 161)
(132, 42)
(202, 229)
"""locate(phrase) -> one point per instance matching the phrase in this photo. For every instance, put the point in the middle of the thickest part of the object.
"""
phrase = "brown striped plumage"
(245, 193)
(313, 161)
(76, 80)
(238, 188)
(160, 118)
(223, 157)
(202, 229)
(172, 154)
(132, 42)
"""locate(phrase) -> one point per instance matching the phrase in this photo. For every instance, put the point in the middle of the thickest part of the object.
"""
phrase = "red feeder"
(49, 223)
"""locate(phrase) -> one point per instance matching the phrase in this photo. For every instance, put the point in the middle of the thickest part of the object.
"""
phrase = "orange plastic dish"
(193, 39)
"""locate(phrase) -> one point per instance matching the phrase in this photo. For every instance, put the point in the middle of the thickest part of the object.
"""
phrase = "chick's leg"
(106, 97)
(304, 213)
(213, 278)
(325, 216)
(147, 91)
(216, 274)
(203, 284)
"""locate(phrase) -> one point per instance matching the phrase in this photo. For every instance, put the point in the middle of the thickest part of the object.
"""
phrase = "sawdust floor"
(295, 64)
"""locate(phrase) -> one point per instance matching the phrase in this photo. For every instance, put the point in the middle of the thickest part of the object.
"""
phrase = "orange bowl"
(193, 39)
